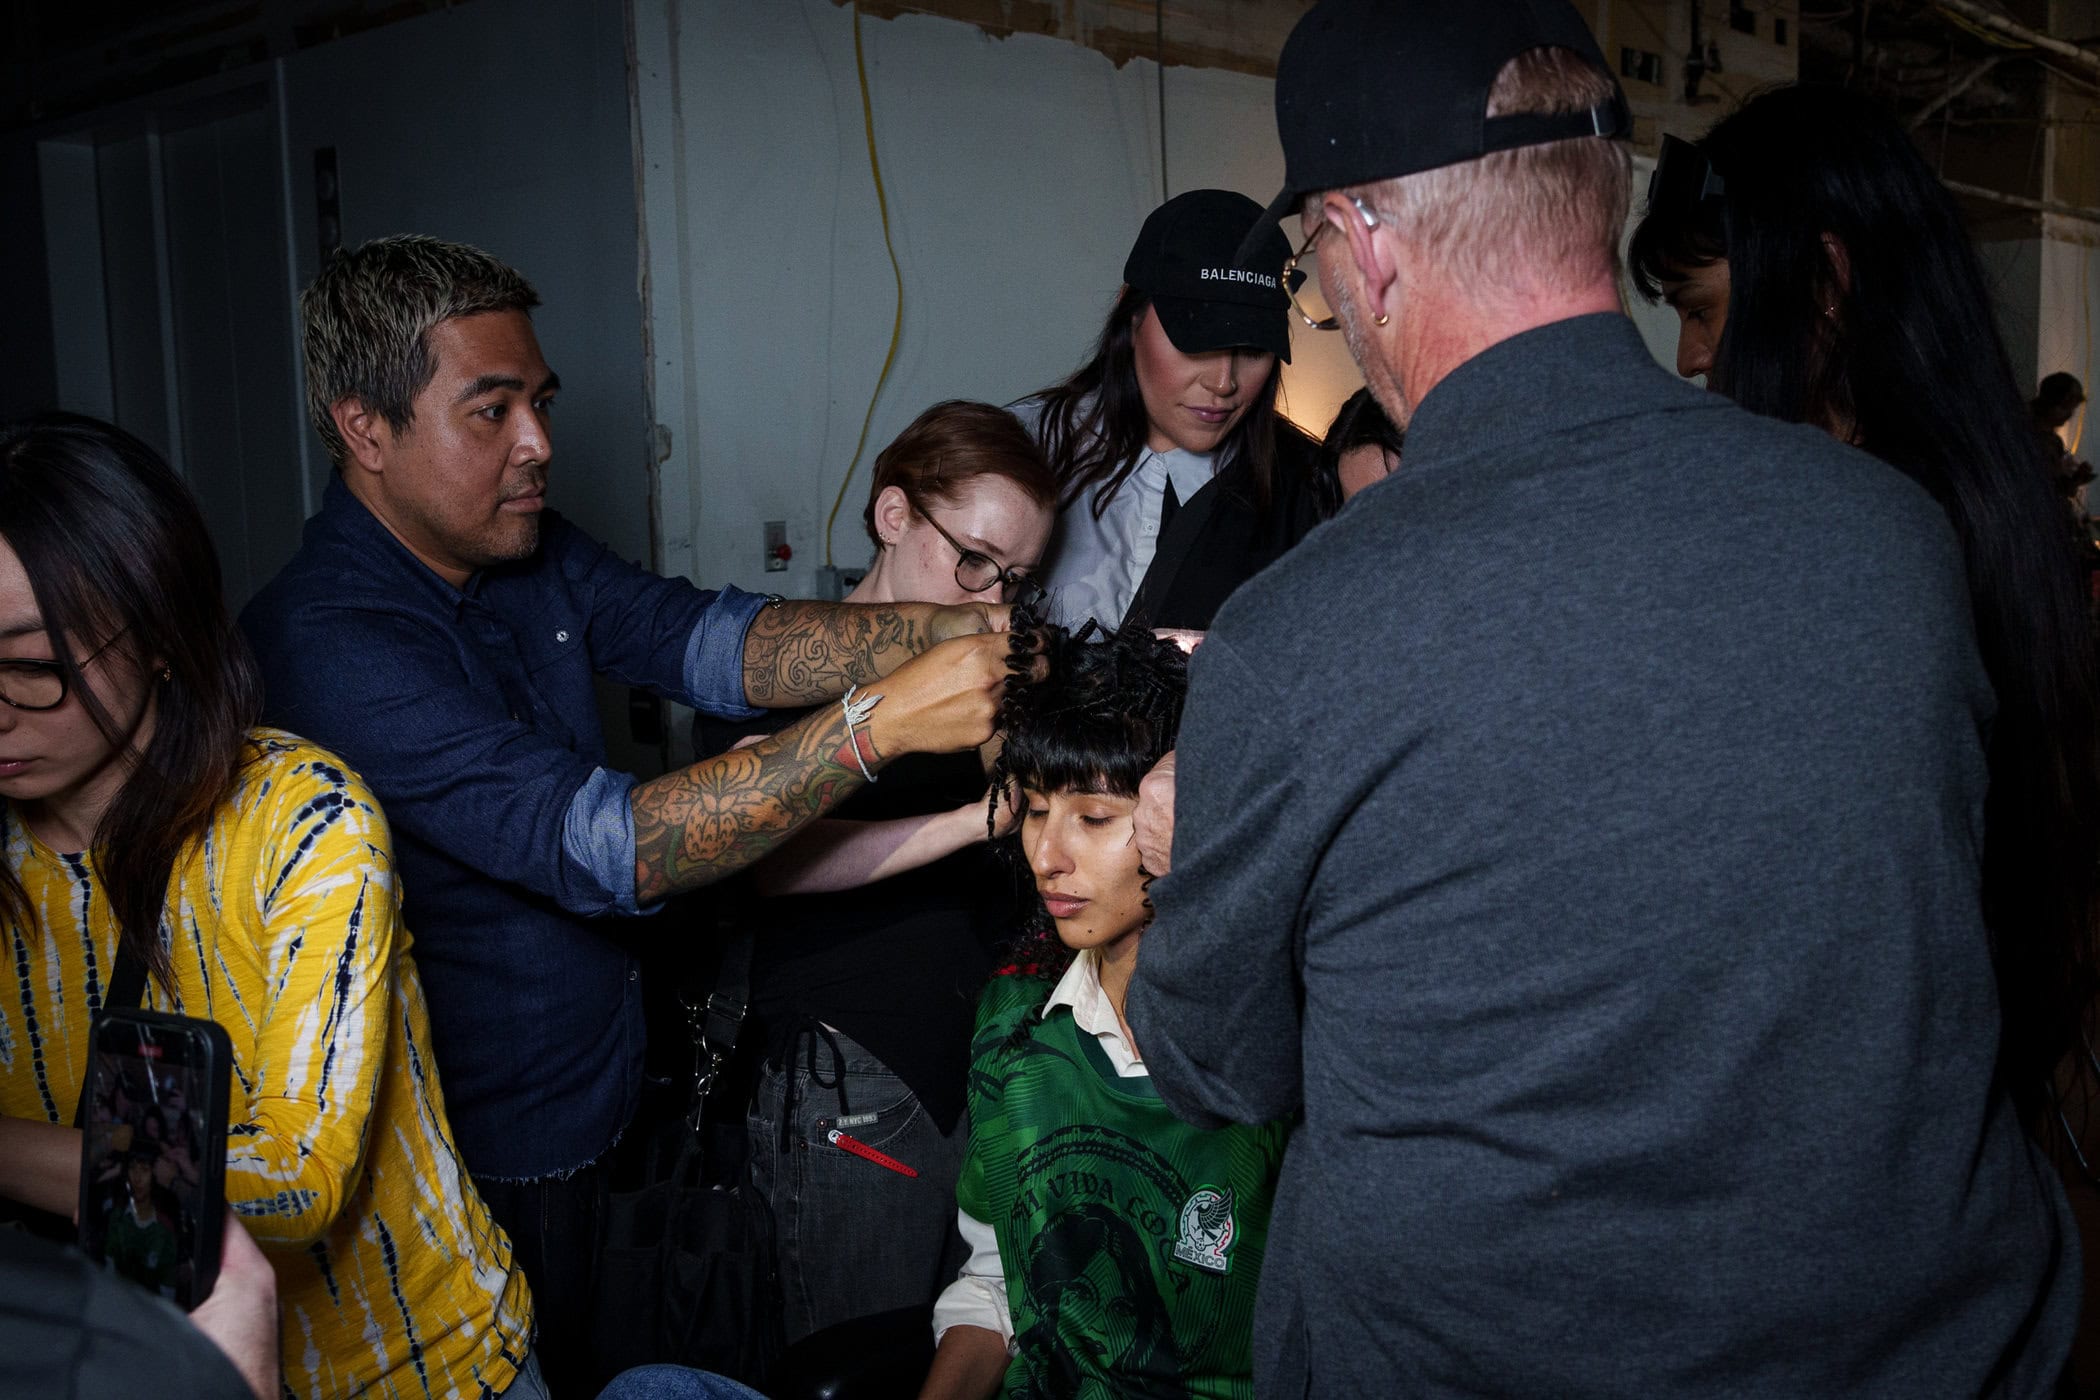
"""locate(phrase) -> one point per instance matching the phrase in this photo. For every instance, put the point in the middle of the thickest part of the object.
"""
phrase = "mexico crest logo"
(1207, 1230)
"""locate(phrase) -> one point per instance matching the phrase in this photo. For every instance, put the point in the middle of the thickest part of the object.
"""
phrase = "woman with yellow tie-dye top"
(251, 873)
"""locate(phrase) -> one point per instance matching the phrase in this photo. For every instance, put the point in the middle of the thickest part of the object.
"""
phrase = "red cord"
(862, 1150)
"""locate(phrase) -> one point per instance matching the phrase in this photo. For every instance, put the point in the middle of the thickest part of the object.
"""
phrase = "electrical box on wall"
(777, 551)
(834, 583)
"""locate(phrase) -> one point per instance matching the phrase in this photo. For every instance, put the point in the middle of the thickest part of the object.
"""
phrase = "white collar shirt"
(1095, 565)
(1080, 988)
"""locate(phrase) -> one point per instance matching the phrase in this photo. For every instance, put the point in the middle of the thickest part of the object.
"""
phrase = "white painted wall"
(1017, 172)
(2014, 269)
(2069, 331)
(2047, 294)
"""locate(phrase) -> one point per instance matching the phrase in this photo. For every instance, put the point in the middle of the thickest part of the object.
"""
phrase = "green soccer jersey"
(1131, 1241)
(142, 1251)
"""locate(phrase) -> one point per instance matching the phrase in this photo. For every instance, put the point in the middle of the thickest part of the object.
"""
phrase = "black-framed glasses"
(1301, 277)
(976, 571)
(34, 684)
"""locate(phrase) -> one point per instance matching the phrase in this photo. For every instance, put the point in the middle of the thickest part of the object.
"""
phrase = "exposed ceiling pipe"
(2084, 60)
(2021, 201)
(1955, 89)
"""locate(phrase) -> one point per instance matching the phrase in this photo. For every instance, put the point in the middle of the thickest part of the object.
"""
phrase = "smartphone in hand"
(153, 1155)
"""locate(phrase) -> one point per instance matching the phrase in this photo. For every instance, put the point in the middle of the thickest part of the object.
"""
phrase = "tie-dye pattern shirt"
(284, 927)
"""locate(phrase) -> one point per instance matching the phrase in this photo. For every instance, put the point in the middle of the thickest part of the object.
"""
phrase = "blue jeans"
(854, 1237)
(675, 1383)
(528, 1384)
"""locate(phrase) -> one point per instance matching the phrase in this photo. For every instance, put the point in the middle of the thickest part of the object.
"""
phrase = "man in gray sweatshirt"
(1583, 829)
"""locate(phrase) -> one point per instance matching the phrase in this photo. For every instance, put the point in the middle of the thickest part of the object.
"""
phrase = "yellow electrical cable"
(1988, 36)
(867, 113)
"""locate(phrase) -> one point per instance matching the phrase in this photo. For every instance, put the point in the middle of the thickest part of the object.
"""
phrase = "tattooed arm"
(696, 825)
(807, 653)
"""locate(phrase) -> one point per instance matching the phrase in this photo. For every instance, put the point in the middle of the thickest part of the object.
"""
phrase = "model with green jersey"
(1114, 1248)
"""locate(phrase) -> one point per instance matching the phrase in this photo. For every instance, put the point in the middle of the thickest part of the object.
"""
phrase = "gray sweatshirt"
(1583, 830)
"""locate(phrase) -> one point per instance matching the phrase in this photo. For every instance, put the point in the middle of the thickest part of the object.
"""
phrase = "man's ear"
(1376, 258)
(892, 513)
(366, 434)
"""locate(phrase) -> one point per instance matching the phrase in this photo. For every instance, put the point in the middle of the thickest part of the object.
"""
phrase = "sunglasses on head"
(1684, 179)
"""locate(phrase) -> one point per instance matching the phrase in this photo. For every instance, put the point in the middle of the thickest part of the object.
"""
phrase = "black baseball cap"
(1371, 90)
(1188, 258)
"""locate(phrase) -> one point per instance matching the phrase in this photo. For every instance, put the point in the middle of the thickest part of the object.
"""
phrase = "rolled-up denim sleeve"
(454, 767)
(597, 835)
(714, 654)
(661, 634)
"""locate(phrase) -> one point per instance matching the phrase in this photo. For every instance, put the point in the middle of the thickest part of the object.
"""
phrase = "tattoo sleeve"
(696, 825)
(807, 653)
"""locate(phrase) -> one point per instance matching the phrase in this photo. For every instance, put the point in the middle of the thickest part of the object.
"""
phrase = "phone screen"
(150, 1185)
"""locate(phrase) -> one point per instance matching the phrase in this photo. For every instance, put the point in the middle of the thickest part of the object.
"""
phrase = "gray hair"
(366, 323)
(1547, 216)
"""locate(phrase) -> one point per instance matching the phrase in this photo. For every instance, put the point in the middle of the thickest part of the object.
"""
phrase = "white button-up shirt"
(1094, 565)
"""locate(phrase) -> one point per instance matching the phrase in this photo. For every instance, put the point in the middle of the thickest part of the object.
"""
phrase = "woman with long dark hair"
(1362, 448)
(1178, 479)
(247, 876)
(1821, 274)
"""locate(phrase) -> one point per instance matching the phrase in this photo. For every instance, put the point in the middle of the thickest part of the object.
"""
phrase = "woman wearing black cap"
(1178, 479)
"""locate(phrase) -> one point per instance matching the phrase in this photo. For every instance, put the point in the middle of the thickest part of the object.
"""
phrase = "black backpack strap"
(127, 988)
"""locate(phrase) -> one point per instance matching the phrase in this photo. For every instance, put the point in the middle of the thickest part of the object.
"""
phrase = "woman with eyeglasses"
(1178, 479)
(1821, 274)
(874, 927)
(161, 850)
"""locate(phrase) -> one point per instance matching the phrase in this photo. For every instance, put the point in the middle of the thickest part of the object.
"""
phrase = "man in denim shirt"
(439, 629)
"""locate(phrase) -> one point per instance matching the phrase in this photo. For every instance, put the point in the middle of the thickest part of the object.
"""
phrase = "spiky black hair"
(1101, 714)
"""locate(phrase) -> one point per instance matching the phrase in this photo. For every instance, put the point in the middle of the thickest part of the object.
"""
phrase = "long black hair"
(1359, 422)
(1101, 714)
(1885, 333)
(118, 557)
(1094, 427)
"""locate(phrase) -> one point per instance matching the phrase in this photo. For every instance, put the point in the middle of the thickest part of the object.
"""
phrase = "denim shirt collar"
(345, 520)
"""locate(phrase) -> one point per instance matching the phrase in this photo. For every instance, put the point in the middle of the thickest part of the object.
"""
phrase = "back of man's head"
(1486, 134)
(366, 322)
(1535, 221)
